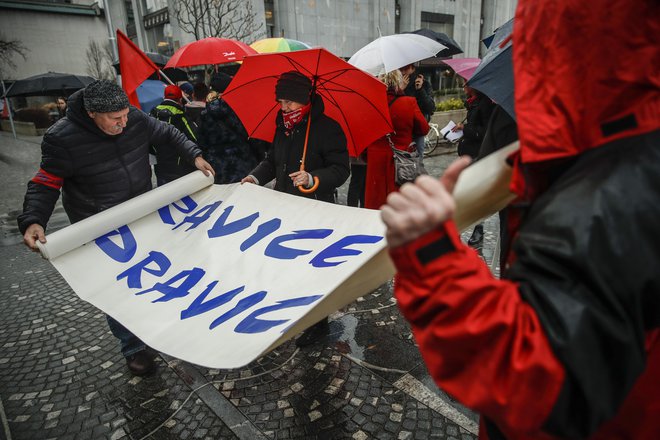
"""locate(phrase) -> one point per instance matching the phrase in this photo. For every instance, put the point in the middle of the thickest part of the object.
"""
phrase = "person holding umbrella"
(304, 132)
(479, 108)
(409, 123)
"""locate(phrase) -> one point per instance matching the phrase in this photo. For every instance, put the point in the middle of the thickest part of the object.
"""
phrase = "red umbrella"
(353, 98)
(210, 50)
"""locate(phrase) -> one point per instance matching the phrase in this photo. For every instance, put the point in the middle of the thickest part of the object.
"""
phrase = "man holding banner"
(98, 155)
(567, 343)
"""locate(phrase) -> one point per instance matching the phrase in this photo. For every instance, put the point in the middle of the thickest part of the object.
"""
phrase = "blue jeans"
(419, 142)
(129, 343)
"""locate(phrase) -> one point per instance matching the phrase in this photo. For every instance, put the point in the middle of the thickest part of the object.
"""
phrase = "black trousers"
(356, 186)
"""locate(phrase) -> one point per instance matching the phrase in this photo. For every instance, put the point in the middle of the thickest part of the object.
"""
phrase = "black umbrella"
(173, 73)
(158, 58)
(48, 84)
(452, 46)
(494, 76)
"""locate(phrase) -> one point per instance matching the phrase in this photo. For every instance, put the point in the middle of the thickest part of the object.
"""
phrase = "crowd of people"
(565, 343)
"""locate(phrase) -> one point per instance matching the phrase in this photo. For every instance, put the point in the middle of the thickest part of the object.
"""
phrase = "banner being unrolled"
(218, 275)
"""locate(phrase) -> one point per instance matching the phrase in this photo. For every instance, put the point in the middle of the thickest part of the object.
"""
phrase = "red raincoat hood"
(586, 73)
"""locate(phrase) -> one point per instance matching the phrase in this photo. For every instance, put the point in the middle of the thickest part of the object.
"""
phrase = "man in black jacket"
(98, 155)
(420, 88)
(170, 165)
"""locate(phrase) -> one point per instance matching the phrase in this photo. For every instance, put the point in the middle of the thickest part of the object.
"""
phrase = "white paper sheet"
(451, 136)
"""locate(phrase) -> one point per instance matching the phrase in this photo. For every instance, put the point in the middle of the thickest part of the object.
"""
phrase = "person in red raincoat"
(409, 123)
(567, 343)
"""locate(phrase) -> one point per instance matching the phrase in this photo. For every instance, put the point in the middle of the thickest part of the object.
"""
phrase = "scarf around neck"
(294, 117)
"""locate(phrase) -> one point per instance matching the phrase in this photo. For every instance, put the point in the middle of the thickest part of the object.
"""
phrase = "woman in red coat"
(408, 123)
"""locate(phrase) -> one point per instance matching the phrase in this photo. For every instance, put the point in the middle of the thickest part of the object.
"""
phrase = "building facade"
(58, 33)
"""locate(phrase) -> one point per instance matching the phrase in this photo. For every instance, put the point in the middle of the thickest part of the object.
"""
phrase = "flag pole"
(160, 71)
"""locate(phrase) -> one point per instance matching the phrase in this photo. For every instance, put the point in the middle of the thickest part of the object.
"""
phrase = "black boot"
(476, 240)
(141, 363)
(313, 333)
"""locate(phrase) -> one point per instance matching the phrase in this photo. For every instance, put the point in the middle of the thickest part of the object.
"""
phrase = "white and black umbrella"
(391, 52)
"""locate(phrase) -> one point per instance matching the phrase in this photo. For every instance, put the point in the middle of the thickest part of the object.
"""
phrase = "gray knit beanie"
(104, 96)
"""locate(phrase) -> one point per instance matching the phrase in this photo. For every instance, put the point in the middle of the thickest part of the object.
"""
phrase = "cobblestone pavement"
(62, 376)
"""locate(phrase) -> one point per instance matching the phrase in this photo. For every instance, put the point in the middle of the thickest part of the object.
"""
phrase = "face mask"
(294, 117)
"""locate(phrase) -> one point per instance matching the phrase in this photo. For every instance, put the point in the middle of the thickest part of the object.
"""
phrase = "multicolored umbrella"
(211, 50)
(272, 45)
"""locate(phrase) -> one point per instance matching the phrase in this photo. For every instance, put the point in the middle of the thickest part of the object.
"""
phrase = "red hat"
(172, 92)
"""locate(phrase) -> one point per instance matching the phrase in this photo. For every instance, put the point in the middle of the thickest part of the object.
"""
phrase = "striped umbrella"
(272, 45)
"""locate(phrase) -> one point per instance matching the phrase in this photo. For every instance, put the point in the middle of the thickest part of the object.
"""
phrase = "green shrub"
(449, 104)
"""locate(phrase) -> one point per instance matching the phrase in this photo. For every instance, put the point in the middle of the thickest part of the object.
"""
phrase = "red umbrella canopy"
(211, 50)
(353, 98)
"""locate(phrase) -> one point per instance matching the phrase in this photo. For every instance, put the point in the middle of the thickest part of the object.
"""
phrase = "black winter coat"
(327, 155)
(98, 170)
(478, 115)
(424, 97)
(170, 165)
(224, 143)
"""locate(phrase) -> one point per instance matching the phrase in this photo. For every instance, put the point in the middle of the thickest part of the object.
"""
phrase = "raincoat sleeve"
(481, 342)
(43, 189)
(568, 319)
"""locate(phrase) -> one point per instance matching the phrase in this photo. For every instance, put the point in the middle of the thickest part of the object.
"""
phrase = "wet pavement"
(62, 375)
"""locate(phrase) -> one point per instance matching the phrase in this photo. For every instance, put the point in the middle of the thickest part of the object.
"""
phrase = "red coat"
(408, 123)
(568, 342)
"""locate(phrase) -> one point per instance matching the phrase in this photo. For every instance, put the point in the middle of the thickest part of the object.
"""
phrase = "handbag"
(407, 166)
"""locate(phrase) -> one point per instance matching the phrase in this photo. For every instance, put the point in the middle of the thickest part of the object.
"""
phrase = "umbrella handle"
(314, 187)
(301, 188)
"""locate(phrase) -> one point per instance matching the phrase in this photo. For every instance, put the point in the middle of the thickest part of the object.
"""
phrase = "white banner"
(218, 275)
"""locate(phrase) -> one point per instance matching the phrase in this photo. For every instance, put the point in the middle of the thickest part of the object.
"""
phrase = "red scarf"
(294, 117)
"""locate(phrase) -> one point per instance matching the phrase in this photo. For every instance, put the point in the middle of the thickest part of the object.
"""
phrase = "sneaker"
(477, 238)
(140, 363)
(313, 333)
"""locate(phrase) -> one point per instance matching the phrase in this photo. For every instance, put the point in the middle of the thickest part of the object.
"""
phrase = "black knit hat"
(104, 96)
(219, 82)
(293, 86)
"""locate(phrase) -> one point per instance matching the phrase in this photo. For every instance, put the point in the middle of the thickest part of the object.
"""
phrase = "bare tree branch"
(217, 18)
(99, 60)
(9, 49)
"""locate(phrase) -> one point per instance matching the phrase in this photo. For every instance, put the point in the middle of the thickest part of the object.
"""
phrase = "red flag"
(134, 65)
